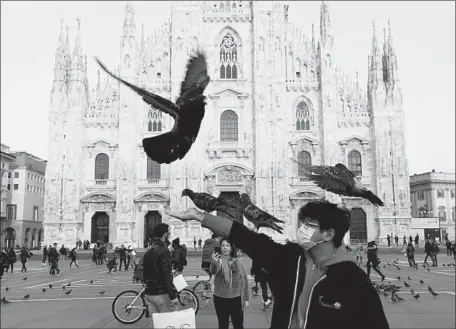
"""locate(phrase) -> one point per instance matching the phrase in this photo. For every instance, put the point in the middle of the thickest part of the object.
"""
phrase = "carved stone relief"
(229, 176)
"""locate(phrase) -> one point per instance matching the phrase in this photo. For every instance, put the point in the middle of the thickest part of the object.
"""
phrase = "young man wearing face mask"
(161, 294)
(315, 282)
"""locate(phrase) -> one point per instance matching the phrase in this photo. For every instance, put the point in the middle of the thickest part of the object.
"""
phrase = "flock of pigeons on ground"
(26, 297)
(383, 289)
(188, 112)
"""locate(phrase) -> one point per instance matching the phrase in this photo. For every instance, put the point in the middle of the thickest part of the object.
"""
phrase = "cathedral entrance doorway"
(237, 214)
(151, 219)
(100, 227)
(358, 226)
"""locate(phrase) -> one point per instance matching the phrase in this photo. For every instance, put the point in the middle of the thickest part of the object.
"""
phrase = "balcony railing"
(100, 184)
(148, 183)
(242, 148)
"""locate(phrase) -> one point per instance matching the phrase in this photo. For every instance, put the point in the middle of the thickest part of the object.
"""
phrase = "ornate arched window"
(304, 159)
(102, 166)
(302, 116)
(153, 169)
(354, 163)
(228, 58)
(155, 120)
(229, 126)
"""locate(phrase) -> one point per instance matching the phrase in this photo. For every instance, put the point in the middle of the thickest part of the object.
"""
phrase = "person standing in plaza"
(179, 257)
(434, 251)
(3, 262)
(45, 254)
(194, 243)
(54, 259)
(372, 259)
(388, 238)
(396, 240)
(200, 242)
(404, 242)
(417, 241)
(261, 277)
(12, 258)
(359, 253)
(63, 253)
(73, 257)
(208, 249)
(448, 247)
(231, 289)
(160, 294)
(411, 254)
(24, 256)
(427, 250)
(123, 258)
(315, 283)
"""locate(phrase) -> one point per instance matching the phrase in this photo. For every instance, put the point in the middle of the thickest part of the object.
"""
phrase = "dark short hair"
(329, 216)
(160, 230)
(233, 252)
(214, 236)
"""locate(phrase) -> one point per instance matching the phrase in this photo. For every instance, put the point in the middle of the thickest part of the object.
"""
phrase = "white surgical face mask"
(304, 235)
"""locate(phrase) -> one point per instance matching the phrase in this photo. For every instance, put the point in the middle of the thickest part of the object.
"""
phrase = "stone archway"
(27, 237)
(34, 238)
(358, 226)
(93, 205)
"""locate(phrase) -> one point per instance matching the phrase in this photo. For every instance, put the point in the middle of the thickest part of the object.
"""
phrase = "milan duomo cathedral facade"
(275, 95)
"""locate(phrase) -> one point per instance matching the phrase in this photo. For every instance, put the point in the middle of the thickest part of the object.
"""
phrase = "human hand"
(185, 215)
(215, 256)
(247, 304)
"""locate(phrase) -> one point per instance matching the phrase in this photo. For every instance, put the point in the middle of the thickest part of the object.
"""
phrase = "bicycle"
(203, 290)
(185, 297)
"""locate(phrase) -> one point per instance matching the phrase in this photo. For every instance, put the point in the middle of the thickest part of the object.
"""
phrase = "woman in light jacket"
(231, 289)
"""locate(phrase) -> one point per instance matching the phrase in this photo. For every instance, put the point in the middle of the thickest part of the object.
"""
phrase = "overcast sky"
(424, 38)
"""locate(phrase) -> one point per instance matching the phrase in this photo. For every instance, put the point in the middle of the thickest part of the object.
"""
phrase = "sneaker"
(267, 303)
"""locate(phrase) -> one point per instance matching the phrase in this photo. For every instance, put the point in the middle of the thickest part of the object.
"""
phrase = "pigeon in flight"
(341, 181)
(207, 202)
(258, 217)
(187, 112)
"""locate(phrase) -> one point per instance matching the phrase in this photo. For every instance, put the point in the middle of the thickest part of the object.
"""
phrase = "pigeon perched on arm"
(187, 112)
(207, 202)
(341, 181)
(258, 217)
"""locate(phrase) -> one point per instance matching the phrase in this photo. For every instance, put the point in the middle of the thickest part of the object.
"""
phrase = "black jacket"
(122, 252)
(344, 283)
(157, 269)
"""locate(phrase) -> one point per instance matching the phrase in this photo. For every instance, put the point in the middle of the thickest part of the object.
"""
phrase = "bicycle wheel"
(125, 311)
(188, 299)
(204, 295)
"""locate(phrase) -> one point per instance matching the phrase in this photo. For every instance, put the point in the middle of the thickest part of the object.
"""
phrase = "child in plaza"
(359, 253)
(112, 264)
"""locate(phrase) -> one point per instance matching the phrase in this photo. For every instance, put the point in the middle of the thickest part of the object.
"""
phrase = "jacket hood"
(340, 255)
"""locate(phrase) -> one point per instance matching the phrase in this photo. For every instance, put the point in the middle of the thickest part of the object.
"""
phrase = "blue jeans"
(158, 304)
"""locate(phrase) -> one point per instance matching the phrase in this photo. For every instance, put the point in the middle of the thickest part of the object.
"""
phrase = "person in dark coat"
(45, 255)
(434, 251)
(54, 259)
(388, 238)
(179, 256)
(24, 255)
(73, 257)
(3, 263)
(372, 259)
(411, 254)
(122, 258)
(448, 247)
(12, 258)
(417, 241)
(396, 240)
(427, 250)
(315, 282)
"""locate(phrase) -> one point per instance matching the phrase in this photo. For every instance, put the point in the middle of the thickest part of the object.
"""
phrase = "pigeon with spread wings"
(187, 112)
(340, 180)
(258, 217)
(207, 202)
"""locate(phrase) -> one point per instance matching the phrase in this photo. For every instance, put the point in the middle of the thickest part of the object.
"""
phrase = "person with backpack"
(179, 256)
(73, 257)
(411, 254)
